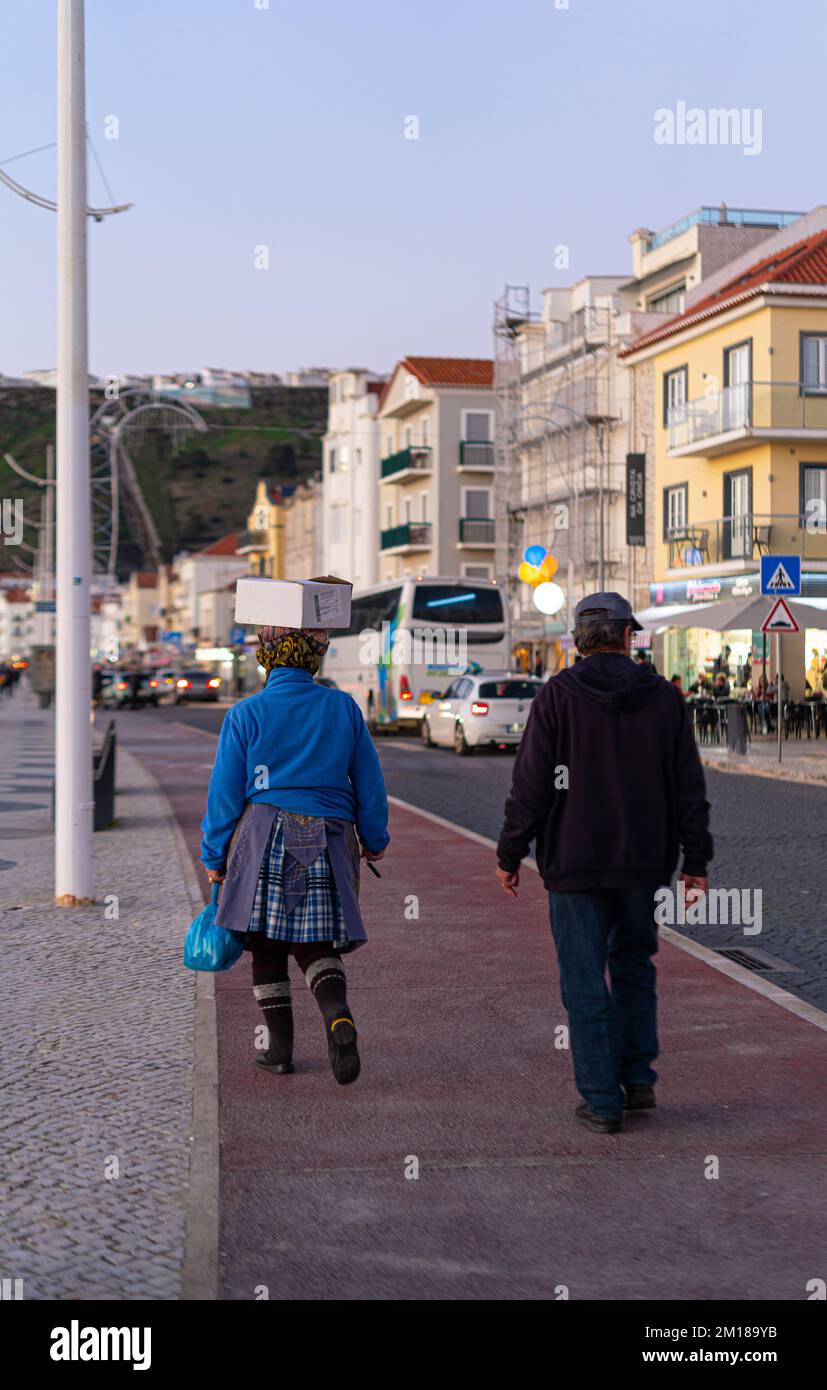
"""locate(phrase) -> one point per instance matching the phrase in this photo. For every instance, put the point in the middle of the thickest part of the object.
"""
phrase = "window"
(423, 506)
(389, 515)
(813, 362)
(373, 610)
(813, 494)
(408, 509)
(388, 444)
(675, 509)
(477, 505)
(426, 431)
(670, 301)
(408, 436)
(477, 426)
(476, 571)
(358, 457)
(459, 602)
(675, 392)
(332, 461)
(509, 690)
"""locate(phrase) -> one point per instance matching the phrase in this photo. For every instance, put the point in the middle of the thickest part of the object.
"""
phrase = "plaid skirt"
(318, 917)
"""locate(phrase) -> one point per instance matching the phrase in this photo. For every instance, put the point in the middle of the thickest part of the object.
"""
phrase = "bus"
(409, 638)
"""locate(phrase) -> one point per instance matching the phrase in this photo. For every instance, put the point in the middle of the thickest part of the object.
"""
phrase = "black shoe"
(263, 1059)
(639, 1098)
(604, 1124)
(341, 1046)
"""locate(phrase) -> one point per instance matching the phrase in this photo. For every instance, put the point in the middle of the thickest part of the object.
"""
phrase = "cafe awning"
(728, 615)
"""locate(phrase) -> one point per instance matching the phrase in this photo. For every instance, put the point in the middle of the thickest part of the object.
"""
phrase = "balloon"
(528, 574)
(549, 598)
(548, 568)
(535, 554)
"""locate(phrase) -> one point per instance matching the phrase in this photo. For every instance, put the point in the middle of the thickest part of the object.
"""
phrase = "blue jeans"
(613, 1033)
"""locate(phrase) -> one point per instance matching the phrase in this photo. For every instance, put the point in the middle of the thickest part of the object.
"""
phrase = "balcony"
(413, 462)
(477, 454)
(410, 536)
(738, 416)
(252, 542)
(742, 540)
(476, 531)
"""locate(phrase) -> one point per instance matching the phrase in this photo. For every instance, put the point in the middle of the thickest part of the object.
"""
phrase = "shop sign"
(702, 590)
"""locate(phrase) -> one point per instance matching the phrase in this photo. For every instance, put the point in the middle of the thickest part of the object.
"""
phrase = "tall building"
(570, 412)
(436, 484)
(350, 494)
(739, 384)
(302, 513)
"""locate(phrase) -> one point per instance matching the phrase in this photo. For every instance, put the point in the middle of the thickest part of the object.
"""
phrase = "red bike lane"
(454, 1169)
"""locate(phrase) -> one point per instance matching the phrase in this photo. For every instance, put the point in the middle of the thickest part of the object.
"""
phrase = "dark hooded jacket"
(608, 781)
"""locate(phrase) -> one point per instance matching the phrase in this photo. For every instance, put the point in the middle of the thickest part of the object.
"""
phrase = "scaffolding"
(557, 461)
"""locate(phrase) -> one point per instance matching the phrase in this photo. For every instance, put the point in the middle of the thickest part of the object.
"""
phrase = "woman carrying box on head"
(296, 780)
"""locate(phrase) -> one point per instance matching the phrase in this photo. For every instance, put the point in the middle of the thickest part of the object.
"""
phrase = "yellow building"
(263, 541)
(740, 449)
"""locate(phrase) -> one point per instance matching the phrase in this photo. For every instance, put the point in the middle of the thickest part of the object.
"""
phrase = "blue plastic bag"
(209, 947)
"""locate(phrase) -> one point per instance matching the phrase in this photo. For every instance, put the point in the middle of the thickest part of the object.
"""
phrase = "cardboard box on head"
(323, 602)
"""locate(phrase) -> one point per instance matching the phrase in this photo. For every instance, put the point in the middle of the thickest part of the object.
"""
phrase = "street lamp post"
(73, 732)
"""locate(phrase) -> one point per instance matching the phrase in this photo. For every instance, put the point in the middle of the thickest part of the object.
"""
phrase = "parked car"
(489, 709)
(117, 689)
(166, 680)
(196, 685)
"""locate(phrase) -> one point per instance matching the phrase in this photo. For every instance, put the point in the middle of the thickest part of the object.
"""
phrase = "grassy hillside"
(195, 494)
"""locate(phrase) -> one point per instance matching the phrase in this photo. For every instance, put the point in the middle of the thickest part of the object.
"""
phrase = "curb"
(199, 1270)
(778, 772)
(808, 1012)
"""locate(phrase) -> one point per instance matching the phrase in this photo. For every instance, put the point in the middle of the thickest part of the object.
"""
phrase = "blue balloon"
(535, 555)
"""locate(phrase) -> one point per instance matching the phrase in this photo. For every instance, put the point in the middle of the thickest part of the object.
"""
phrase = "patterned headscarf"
(302, 647)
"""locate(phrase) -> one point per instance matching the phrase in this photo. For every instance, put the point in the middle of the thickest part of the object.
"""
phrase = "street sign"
(780, 619)
(635, 499)
(781, 574)
(237, 636)
(45, 605)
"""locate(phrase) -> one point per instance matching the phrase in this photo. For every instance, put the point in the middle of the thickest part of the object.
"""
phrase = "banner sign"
(635, 499)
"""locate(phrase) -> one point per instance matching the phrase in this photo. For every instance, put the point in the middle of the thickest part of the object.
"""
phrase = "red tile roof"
(476, 372)
(16, 595)
(227, 545)
(803, 263)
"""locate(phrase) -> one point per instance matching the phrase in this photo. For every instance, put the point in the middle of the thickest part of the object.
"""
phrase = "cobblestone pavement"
(768, 834)
(802, 760)
(97, 1054)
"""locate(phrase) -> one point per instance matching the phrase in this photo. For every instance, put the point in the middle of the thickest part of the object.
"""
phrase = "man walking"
(609, 783)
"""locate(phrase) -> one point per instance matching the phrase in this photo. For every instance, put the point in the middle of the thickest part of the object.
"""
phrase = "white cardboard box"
(291, 603)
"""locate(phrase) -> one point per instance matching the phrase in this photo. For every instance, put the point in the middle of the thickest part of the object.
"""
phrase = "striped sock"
(274, 1000)
(328, 984)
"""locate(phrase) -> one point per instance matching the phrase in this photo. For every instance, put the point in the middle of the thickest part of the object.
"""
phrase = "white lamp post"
(73, 734)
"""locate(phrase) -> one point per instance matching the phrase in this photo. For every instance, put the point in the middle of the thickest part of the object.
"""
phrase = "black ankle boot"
(277, 1011)
(341, 1047)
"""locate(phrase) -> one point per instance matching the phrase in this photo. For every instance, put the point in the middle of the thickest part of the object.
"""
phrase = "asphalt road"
(769, 836)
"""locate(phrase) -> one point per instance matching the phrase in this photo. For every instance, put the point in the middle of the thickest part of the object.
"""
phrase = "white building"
(203, 572)
(350, 501)
(16, 622)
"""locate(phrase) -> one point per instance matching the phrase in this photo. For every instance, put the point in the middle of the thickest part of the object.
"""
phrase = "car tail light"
(479, 707)
(183, 685)
(405, 692)
(153, 684)
(122, 685)
(216, 680)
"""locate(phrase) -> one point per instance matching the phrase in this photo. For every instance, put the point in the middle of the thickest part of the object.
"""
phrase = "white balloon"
(549, 598)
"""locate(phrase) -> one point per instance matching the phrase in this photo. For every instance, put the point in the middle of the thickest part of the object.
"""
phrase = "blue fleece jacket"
(303, 747)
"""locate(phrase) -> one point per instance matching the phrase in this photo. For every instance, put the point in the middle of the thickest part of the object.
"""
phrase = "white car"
(490, 708)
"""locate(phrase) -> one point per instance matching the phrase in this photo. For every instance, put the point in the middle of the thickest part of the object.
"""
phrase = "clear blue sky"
(285, 126)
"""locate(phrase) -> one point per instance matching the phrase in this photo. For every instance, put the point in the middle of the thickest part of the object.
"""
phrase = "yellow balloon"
(548, 568)
(528, 573)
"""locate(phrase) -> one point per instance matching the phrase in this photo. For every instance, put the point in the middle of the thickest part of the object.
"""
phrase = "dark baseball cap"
(612, 606)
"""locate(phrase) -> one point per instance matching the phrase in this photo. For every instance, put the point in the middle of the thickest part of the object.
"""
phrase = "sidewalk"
(96, 1068)
(802, 760)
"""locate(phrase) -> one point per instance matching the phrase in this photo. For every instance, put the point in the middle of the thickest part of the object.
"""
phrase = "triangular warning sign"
(781, 580)
(780, 619)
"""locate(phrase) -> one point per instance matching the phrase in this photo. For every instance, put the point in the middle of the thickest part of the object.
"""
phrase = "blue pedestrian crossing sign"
(781, 574)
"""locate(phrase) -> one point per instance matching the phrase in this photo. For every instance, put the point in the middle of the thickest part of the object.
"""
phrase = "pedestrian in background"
(6, 682)
(297, 776)
(608, 836)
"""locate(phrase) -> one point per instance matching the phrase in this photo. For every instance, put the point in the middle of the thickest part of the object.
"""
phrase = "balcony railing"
(412, 534)
(416, 456)
(252, 540)
(476, 530)
(746, 537)
(751, 406)
(476, 454)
